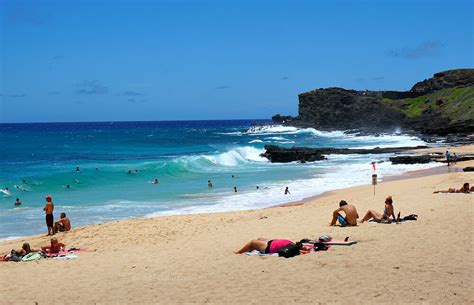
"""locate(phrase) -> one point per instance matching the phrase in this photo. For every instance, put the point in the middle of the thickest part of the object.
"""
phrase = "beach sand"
(189, 259)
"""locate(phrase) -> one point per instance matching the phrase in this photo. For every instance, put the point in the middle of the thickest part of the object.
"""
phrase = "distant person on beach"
(448, 156)
(63, 225)
(351, 215)
(17, 255)
(257, 187)
(17, 202)
(235, 189)
(455, 158)
(233, 176)
(68, 186)
(387, 212)
(209, 184)
(48, 209)
(268, 246)
(54, 248)
(129, 172)
(287, 191)
(464, 189)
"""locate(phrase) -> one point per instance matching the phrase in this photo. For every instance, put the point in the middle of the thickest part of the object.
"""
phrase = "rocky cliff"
(441, 105)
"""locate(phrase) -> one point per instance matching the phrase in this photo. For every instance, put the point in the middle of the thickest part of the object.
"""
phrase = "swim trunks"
(49, 220)
(342, 220)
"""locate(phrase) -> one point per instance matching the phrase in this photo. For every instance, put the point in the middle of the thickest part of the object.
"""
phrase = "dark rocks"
(449, 111)
(468, 169)
(445, 79)
(278, 154)
(411, 159)
(337, 108)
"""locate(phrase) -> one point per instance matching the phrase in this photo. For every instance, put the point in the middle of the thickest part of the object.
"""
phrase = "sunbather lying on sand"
(265, 245)
(16, 255)
(387, 212)
(464, 189)
(351, 215)
(54, 248)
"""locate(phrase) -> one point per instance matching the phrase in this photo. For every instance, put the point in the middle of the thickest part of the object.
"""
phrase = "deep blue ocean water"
(183, 155)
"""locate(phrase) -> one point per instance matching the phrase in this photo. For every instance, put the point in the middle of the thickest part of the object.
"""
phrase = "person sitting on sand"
(54, 247)
(351, 215)
(17, 255)
(387, 212)
(267, 246)
(464, 189)
(63, 225)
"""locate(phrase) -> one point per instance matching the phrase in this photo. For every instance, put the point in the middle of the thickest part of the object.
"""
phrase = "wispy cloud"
(54, 93)
(285, 78)
(27, 15)
(136, 101)
(132, 93)
(13, 95)
(222, 87)
(424, 49)
(378, 78)
(90, 87)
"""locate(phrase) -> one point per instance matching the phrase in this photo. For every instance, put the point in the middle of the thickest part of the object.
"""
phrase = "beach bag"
(290, 250)
(411, 217)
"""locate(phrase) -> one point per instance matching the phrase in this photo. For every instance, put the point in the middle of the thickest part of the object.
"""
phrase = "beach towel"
(63, 253)
(33, 256)
(66, 256)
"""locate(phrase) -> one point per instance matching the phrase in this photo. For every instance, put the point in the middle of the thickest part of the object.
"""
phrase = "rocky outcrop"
(445, 79)
(411, 159)
(277, 154)
(440, 105)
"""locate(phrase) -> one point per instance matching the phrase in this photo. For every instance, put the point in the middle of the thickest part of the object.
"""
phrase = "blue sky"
(171, 60)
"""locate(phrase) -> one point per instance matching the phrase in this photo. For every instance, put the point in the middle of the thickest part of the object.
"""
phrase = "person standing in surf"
(48, 209)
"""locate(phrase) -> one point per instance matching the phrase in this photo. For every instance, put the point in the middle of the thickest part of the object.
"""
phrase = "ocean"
(42, 158)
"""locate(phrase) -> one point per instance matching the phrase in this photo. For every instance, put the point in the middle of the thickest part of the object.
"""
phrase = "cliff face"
(440, 105)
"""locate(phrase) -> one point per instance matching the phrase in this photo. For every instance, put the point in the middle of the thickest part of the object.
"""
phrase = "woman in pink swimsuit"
(264, 245)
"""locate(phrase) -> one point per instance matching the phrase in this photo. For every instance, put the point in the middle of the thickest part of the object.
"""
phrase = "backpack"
(290, 250)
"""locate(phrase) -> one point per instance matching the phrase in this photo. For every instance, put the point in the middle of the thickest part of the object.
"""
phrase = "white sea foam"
(255, 141)
(10, 238)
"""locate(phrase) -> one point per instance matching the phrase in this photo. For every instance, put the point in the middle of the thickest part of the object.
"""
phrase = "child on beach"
(387, 212)
(48, 209)
(63, 225)
(351, 215)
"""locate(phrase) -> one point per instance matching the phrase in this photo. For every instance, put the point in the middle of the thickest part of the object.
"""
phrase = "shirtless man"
(48, 209)
(63, 225)
(351, 215)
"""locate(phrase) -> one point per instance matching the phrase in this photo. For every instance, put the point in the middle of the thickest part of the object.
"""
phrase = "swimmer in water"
(77, 181)
(68, 186)
(20, 188)
(235, 189)
(257, 187)
(287, 191)
(77, 169)
(209, 184)
(17, 202)
(6, 191)
(24, 181)
(156, 181)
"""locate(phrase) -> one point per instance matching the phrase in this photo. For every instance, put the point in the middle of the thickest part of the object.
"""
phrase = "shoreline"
(436, 170)
(190, 258)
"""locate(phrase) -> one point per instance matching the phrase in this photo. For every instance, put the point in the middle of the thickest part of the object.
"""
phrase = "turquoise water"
(183, 155)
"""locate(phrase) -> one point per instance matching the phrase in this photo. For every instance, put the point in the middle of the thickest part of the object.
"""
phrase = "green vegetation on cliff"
(454, 104)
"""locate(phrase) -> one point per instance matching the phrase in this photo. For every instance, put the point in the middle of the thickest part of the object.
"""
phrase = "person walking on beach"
(48, 209)
(351, 215)
(448, 156)
(17, 202)
(455, 158)
(209, 184)
(287, 191)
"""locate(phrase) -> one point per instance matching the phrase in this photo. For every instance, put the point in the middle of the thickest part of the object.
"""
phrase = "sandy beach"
(189, 259)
